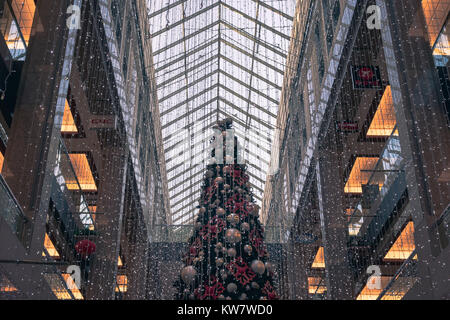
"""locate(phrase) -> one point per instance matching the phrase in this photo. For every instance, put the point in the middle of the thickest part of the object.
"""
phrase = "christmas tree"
(227, 257)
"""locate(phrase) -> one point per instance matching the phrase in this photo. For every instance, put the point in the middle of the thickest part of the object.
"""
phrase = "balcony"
(11, 211)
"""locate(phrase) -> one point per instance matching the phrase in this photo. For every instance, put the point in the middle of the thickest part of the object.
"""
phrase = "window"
(16, 26)
(122, 283)
(83, 172)
(384, 120)
(319, 260)
(1, 161)
(360, 174)
(404, 245)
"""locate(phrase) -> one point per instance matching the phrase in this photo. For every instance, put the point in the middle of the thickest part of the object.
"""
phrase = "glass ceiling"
(216, 59)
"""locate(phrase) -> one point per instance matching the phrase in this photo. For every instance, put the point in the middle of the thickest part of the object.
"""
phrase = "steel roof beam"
(246, 16)
(252, 38)
(226, 42)
(281, 13)
(250, 72)
(247, 101)
(170, 95)
(165, 9)
(249, 87)
(185, 19)
(181, 104)
(173, 44)
(190, 112)
(185, 72)
(245, 113)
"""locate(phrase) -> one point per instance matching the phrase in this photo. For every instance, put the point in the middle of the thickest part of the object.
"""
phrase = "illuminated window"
(316, 285)
(83, 171)
(384, 121)
(6, 285)
(17, 31)
(50, 247)
(319, 261)
(122, 283)
(404, 246)
(1, 161)
(72, 286)
(435, 12)
(68, 124)
(372, 289)
(360, 174)
(92, 210)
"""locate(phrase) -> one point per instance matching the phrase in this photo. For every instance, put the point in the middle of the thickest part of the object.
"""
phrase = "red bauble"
(85, 248)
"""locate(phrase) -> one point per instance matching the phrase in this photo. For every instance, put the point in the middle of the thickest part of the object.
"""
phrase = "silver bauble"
(232, 287)
(248, 249)
(218, 180)
(233, 235)
(219, 262)
(269, 266)
(188, 274)
(232, 252)
(245, 226)
(220, 211)
(258, 266)
(255, 285)
(243, 296)
(233, 219)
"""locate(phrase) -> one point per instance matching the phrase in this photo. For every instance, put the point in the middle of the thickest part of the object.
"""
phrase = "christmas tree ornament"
(221, 297)
(233, 219)
(232, 252)
(220, 211)
(219, 245)
(243, 296)
(232, 287)
(233, 235)
(226, 186)
(258, 266)
(245, 226)
(269, 267)
(226, 169)
(248, 249)
(219, 262)
(218, 180)
(202, 210)
(255, 285)
(188, 274)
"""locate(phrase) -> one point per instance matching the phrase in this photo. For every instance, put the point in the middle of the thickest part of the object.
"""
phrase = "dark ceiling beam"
(187, 71)
(188, 54)
(265, 63)
(165, 9)
(182, 103)
(174, 93)
(256, 21)
(260, 77)
(173, 44)
(281, 13)
(252, 38)
(247, 101)
(249, 87)
(191, 112)
(235, 107)
(182, 21)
